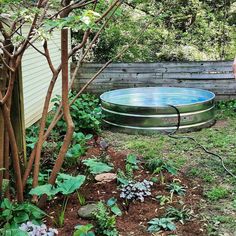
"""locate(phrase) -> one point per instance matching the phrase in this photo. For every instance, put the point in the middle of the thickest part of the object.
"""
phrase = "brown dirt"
(133, 222)
(221, 124)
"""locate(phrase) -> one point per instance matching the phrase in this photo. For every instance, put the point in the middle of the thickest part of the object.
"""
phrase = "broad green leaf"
(43, 189)
(132, 159)
(6, 204)
(69, 186)
(83, 230)
(111, 201)
(116, 210)
(97, 167)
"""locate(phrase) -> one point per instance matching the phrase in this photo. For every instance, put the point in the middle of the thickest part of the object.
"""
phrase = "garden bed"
(134, 221)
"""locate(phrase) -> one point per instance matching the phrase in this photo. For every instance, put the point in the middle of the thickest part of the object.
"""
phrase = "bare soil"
(133, 222)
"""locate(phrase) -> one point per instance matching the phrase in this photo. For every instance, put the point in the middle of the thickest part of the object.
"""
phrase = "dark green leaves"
(13, 214)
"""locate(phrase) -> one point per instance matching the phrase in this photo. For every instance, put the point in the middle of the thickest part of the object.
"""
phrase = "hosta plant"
(158, 224)
(13, 214)
(182, 215)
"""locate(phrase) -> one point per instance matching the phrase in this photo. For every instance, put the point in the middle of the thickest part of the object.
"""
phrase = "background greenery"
(179, 30)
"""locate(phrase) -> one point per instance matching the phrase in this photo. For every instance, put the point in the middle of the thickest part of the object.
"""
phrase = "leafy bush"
(78, 148)
(226, 109)
(106, 224)
(13, 214)
(85, 112)
(158, 224)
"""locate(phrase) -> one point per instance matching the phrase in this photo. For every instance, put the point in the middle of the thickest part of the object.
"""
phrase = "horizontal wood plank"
(216, 76)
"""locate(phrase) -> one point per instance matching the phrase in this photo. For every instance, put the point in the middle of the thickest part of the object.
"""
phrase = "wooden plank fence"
(216, 76)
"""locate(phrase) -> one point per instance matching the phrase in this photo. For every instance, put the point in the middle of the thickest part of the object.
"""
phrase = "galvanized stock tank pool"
(152, 109)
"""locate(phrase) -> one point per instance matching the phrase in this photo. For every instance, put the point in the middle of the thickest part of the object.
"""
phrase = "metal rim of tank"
(147, 119)
(155, 109)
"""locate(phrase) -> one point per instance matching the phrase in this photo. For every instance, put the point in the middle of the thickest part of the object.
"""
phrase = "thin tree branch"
(5, 64)
(47, 55)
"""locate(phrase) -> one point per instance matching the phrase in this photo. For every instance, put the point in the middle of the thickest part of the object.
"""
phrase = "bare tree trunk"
(14, 150)
(42, 128)
(1, 151)
(66, 112)
(7, 161)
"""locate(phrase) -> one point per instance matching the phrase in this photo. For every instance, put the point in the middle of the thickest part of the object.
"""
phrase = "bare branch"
(47, 55)
(5, 64)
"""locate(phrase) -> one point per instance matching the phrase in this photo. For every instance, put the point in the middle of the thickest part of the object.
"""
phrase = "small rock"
(105, 178)
(86, 212)
(103, 144)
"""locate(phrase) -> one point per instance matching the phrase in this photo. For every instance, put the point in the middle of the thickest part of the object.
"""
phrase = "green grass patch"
(217, 193)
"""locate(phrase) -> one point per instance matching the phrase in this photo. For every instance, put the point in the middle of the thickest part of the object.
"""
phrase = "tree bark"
(66, 112)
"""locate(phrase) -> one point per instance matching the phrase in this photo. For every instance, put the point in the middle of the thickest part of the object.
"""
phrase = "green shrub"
(85, 112)
(106, 223)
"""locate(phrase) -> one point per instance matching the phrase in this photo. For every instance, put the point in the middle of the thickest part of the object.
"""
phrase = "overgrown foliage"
(179, 30)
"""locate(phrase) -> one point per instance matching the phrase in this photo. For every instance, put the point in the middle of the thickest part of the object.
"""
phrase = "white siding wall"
(36, 78)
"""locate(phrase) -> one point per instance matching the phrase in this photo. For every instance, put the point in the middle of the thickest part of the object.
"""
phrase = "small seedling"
(112, 203)
(158, 166)
(177, 189)
(81, 198)
(181, 215)
(163, 199)
(158, 224)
